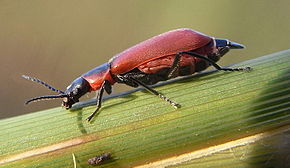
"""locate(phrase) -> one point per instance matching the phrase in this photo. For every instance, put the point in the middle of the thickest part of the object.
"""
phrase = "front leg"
(105, 86)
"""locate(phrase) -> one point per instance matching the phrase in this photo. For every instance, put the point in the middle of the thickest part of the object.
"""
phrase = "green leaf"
(221, 112)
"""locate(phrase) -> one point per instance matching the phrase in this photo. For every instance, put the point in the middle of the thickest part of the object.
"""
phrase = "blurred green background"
(57, 41)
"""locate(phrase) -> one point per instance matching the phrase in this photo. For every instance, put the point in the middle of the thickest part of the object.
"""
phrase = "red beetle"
(175, 53)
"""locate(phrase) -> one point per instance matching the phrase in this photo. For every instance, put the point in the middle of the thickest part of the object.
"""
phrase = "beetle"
(175, 53)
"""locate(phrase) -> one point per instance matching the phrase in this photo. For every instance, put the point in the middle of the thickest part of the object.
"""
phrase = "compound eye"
(76, 91)
(228, 42)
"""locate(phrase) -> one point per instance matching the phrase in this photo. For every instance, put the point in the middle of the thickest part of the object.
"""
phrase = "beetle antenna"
(45, 98)
(43, 83)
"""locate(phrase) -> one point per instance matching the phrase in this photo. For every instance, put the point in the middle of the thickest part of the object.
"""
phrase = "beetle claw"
(177, 106)
(248, 69)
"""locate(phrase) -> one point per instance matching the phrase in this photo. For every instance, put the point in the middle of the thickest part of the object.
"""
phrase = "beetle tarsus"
(172, 103)
(237, 69)
(89, 118)
(175, 105)
(248, 69)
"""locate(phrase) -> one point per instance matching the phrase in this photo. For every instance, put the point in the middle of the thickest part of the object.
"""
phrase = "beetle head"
(74, 91)
(223, 46)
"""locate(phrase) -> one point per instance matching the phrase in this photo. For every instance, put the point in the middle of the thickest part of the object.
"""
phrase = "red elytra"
(175, 53)
(163, 45)
(151, 55)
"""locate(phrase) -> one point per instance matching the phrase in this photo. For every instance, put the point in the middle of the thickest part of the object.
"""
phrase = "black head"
(74, 91)
(224, 46)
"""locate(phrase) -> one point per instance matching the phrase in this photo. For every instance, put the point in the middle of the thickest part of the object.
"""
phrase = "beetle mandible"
(175, 53)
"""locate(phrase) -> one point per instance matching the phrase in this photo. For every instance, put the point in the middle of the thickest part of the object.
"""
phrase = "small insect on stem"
(99, 159)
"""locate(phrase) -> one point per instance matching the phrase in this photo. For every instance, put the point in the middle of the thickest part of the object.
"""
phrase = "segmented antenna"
(45, 98)
(43, 83)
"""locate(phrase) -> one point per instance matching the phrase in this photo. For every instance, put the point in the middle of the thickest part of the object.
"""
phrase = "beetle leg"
(213, 63)
(105, 86)
(126, 80)
(175, 66)
(175, 105)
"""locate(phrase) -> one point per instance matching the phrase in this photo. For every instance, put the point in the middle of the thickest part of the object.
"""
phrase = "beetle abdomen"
(157, 65)
(187, 64)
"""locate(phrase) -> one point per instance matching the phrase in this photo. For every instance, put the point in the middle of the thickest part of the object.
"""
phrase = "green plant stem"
(138, 128)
